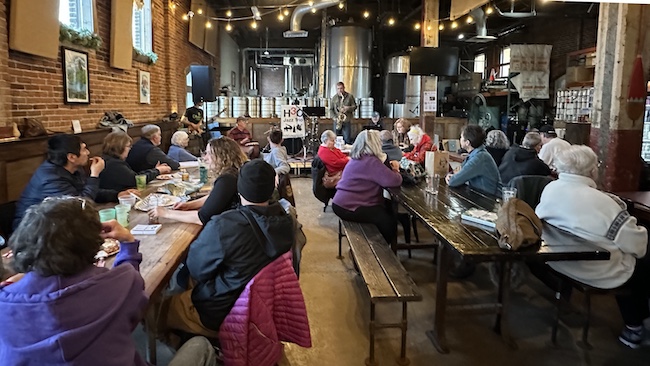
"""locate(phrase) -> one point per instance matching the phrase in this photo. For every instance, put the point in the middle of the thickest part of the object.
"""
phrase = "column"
(429, 38)
(614, 136)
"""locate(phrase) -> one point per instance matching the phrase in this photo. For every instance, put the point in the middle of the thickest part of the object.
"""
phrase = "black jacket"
(521, 161)
(118, 175)
(393, 152)
(230, 251)
(144, 155)
(51, 180)
(497, 155)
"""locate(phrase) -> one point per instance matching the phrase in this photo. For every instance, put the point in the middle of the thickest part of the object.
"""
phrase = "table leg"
(503, 295)
(151, 328)
(437, 335)
(395, 205)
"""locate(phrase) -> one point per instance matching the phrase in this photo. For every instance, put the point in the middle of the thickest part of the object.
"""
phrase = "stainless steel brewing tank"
(400, 63)
(349, 60)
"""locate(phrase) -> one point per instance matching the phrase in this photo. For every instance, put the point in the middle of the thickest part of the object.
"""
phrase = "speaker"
(204, 83)
(396, 87)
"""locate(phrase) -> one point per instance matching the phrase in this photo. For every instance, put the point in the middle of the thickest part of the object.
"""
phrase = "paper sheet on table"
(189, 164)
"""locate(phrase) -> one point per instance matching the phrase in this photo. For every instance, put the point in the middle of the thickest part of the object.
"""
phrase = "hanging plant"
(148, 57)
(84, 38)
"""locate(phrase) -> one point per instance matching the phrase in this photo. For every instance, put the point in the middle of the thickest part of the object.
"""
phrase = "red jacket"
(419, 152)
(333, 159)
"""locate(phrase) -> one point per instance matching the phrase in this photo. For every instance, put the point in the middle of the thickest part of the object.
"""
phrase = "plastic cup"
(122, 214)
(508, 193)
(127, 201)
(432, 180)
(141, 182)
(106, 214)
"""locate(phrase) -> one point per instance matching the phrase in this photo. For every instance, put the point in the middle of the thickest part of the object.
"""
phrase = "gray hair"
(327, 135)
(179, 138)
(531, 140)
(498, 139)
(415, 133)
(149, 130)
(576, 159)
(367, 143)
(385, 136)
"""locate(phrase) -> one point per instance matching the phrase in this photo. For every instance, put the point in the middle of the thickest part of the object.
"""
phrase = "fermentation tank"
(349, 60)
(399, 63)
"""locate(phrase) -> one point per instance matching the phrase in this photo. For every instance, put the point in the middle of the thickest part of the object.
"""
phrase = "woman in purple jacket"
(65, 310)
(359, 193)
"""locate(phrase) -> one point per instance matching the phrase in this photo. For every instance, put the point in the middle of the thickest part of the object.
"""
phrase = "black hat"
(548, 129)
(256, 181)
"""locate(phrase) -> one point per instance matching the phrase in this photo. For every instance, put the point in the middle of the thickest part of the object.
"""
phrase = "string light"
(185, 17)
(254, 25)
(391, 21)
(311, 3)
(280, 16)
(428, 27)
(229, 14)
(172, 5)
(461, 36)
(454, 25)
(417, 26)
(441, 27)
(313, 10)
(366, 14)
(489, 10)
(228, 27)
(469, 20)
(286, 12)
(341, 5)
(208, 24)
(200, 11)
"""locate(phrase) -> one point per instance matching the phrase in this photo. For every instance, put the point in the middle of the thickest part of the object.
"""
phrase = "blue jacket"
(179, 154)
(51, 180)
(144, 155)
(480, 171)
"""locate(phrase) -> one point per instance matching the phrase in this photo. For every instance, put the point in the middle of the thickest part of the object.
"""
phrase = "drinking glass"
(106, 214)
(127, 201)
(432, 180)
(122, 214)
(141, 182)
(508, 193)
(153, 203)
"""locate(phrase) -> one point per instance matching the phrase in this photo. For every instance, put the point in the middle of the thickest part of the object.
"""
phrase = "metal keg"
(238, 106)
(254, 107)
(267, 107)
(367, 107)
(224, 107)
(279, 102)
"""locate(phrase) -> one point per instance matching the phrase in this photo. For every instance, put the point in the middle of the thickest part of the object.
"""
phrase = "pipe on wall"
(301, 10)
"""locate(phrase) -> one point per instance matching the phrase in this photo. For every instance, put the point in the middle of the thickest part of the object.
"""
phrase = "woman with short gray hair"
(333, 159)
(574, 203)
(180, 140)
(496, 143)
(359, 193)
(523, 160)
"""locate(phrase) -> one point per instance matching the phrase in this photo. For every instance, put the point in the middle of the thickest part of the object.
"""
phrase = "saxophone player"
(342, 107)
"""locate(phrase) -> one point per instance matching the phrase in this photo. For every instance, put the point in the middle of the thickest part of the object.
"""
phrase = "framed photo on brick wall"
(76, 79)
(144, 85)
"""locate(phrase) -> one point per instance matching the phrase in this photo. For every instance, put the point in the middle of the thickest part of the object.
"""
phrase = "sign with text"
(292, 121)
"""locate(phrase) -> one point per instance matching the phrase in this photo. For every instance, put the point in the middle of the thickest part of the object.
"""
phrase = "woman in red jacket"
(332, 157)
(422, 143)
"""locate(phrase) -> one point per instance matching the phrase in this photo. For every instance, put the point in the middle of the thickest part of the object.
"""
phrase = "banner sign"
(533, 63)
(292, 121)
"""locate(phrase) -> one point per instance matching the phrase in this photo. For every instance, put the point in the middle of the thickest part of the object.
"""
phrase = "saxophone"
(342, 117)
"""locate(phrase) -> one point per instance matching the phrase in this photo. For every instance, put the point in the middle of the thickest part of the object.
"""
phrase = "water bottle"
(203, 174)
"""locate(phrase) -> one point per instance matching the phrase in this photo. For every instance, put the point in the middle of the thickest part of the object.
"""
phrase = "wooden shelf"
(580, 84)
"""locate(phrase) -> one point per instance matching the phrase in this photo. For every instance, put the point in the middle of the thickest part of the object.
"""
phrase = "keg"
(238, 106)
(367, 107)
(267, 107)
(253, 107)
(311, 102)
(279, 102)
(224, 103)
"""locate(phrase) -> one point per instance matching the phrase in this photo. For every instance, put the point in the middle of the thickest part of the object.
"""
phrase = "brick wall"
(36, 83)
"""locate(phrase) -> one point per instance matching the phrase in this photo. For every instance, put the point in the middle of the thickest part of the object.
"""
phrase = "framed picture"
(144, 85)
(76, 80)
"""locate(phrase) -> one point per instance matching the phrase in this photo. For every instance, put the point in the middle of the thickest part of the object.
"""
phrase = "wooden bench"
(384, 276)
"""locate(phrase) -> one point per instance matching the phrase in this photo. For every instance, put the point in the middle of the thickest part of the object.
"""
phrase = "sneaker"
(632, 338)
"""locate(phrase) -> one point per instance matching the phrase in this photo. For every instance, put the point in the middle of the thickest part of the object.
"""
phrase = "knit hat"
(256, 181)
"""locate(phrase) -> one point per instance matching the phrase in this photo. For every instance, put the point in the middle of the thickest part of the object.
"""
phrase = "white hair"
(149, 130)
(531, 140)
(327, 135)
(576, 159)
(180, 138)
(415, 133)
(367, 143)
(497, 139)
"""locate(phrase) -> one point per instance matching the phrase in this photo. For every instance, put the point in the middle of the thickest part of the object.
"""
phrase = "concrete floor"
(338, 308)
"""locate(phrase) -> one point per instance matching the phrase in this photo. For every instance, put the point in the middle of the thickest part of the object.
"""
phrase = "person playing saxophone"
(342, 107)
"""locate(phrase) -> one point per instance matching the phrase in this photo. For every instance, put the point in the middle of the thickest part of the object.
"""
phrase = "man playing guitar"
(194, 120)
(342, 107)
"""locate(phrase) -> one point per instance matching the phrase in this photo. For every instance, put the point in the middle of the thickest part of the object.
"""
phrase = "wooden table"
(441, 215)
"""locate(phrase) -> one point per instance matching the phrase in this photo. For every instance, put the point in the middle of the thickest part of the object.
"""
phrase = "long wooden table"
(441, 214)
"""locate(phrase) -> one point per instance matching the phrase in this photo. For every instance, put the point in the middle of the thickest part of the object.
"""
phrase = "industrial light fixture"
(366, 14)
(417, 26)
(391, 21)
(229, 14)
(256, 13)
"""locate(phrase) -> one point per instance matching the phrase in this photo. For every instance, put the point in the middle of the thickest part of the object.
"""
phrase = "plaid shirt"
(238, 135)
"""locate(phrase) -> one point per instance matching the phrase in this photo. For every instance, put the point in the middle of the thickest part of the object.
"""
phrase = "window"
(479, 64)
(142, 27)
(504, 62)
(77, 14)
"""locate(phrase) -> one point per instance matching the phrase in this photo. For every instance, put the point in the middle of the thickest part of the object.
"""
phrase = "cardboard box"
(579, 74)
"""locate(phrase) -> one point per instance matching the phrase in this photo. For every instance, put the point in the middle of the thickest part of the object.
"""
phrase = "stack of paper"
(482, 217)
(146, 229)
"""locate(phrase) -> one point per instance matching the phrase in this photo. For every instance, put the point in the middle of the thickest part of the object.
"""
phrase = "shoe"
(631, 338)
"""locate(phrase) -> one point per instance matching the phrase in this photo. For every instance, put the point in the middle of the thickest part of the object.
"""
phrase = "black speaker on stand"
(204, 83)
(395, 89)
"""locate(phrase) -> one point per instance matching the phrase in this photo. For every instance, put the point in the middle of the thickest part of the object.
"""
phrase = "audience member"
(241, 134)
(224, 158)
(359, 193)
(496, 143)
(422, 143)
(331, 156)
(117, 174)
(65, 310)
(479, 169)
(375, 122)
(229, 252)
(523, 160)
(180, 140)
(278, 157)
(551, 145)
(145, 153)
(574, 203)
(388, 146)
(62, 174)
(400, 136)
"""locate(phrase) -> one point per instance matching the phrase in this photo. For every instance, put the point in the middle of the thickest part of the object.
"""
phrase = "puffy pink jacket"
(270, 310)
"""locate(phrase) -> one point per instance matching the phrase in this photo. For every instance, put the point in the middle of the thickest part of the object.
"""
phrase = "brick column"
(614, 137)
(5, 79)
(429, 38)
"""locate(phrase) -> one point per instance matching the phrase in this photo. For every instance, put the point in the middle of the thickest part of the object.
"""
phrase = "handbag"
(412, 172)
(331, 180)
(518, 225)
(32, 127)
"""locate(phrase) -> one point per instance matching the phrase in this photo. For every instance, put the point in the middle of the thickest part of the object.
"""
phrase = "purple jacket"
(85, 319)
(363, 181)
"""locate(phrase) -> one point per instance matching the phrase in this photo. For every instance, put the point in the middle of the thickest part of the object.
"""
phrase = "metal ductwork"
(513, 14)
(299, 12)
(480, 18)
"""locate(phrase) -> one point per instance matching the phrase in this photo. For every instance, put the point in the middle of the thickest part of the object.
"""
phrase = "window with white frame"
(77, 14)
(504, 62)
(142, 27)
(479, 64)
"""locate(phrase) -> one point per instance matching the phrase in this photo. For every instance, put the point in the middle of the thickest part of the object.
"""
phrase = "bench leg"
(370, 361)
(340, 256)
(503, 293)
(584, 344)
(402, 360)
(437, 335)
(414, 222)
(556, 322)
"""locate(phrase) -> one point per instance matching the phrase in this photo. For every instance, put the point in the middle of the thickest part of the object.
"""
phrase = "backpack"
(32, 127)
(518, 225)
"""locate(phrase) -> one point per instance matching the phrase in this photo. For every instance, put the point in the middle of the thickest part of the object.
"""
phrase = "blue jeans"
(345, 131)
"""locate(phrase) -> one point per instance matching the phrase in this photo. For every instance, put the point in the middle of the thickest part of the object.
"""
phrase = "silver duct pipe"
(301, 10)
(513, 14)
(481, 21)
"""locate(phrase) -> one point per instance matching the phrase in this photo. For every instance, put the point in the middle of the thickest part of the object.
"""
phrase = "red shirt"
(419, 152)
(333, 158)
(238, 135)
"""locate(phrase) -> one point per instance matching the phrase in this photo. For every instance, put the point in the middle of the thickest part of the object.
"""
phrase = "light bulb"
(280, 17)
(172, 6)
(417, 26)
(185, 17)
(428, 27)
(311, 3)
(461, 36)
(286, 12)
(489, 10)
(366, 14)
(313, 10)
(254, 25)
(208, 24)
(391, 21)
(454, 25)
(200, 11)
(441, 27)
(229, 14)
(341, 5)
(470, 20)
(228, 27)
